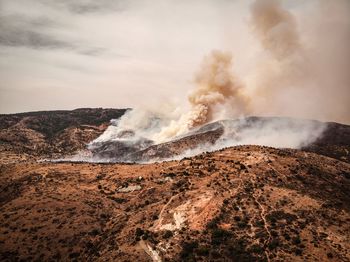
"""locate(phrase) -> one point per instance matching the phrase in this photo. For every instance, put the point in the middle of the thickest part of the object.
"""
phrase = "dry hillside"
(244, 203)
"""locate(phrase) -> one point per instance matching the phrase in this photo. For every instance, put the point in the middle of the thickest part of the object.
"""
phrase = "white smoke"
(294, 79)
(215, 85)
(303, 72)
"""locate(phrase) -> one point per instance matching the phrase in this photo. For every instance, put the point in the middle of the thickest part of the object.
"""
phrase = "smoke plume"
(215, 85)
(276, 28)
(302, 75)
(290, 78)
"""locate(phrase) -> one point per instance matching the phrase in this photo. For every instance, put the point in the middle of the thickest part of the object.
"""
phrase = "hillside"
(244, 203)
(50, 133)
(241, 203)
(333, 139)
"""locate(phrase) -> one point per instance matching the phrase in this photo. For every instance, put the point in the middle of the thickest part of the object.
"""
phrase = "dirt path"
(160, 216)
(150, 251)
(263, 217)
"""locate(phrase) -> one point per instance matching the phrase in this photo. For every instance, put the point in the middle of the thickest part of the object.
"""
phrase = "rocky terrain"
(52, 133)
(243, 203)
(334, 140)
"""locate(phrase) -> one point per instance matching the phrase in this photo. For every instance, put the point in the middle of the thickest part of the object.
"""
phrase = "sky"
(84, 53)
(129, 53)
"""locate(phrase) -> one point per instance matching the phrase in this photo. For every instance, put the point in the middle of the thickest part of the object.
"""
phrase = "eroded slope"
(52, 133)
(243, 204)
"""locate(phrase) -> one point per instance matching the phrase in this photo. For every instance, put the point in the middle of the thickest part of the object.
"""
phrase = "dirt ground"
(245, 203)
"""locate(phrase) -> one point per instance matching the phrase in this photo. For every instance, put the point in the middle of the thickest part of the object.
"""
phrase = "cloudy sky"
(66, 54)
(85, 53)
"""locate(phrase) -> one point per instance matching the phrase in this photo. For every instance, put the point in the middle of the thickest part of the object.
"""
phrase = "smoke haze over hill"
(209, 130)
(288, 58)
(289, 81)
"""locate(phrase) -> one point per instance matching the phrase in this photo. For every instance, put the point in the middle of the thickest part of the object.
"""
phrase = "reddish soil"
(245, 203)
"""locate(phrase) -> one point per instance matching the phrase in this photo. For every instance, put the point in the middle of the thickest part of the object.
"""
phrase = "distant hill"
(334, 141)
(46, 133)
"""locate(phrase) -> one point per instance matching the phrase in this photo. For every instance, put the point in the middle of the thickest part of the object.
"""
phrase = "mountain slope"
(49, 133)
(334, 142)
(245, 203)
(241, 203)
(329, 139)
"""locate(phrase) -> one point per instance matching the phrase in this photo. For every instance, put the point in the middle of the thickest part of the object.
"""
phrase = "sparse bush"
(117, 199)
(287, 236)
(167, 234)
(329, 255)
(139, 232)
(187, 249)
(215, 254)
(94, 232)
(298, 251)
(274, 216)
(219, 235)
(274, 233)
(242, 224)
(213, 223)
(242, 166)
(74, 255)
(203, 251)
(256, 249)
(296, 240)
(273, 244)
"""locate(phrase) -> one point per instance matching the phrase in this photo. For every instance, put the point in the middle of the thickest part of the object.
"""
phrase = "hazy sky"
(65, 54)
(86, 53)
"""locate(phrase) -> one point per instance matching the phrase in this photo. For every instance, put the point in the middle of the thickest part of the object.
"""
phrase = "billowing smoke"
(284, 74)
(290, 78)
(276, 28)
(302, 75)
(215, 85)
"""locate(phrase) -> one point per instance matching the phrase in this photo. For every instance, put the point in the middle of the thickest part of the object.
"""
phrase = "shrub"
(242, 224)
(187, 249)
(329, 255)
(256, 249)
(139, 232)
(286, 236)
(273, 244)
(298, 252)
(203, 251)
(219, 235)
(167, 234)
(296, 240)
(213, 223)
(215, 254)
